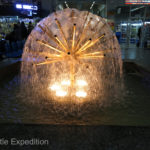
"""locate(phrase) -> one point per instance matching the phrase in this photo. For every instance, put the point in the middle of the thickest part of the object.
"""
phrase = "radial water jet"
(72, 54)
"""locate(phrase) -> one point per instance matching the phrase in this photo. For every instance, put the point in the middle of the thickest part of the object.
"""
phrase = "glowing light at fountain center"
(63, 88)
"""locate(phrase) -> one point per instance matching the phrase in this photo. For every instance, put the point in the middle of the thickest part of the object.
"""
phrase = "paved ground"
(78, 137)
(140, 56)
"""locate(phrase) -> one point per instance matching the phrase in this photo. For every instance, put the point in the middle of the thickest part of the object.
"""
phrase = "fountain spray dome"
(72, 55)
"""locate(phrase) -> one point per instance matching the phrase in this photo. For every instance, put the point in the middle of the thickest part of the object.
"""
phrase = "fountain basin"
(133, 108)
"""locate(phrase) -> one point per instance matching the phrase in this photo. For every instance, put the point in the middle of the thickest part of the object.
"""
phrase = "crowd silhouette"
(15, 40)
(19, 33)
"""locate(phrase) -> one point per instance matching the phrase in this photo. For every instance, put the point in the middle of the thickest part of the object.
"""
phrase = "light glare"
(19, 6)
(61, 93)
(55, 87)
(81, 94)
(66, 82)
(81, 83)
(29, 7)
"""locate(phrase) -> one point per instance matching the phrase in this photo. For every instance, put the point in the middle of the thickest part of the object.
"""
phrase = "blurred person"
(13, 36)
(16, 32)
(2, 45)
(30, 27)
(18, 24)
(19, 31)
(139, 36)
(23, 31)
(2, 57)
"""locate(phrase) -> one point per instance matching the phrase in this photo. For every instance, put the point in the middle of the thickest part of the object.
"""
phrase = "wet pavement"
(77, 137)
(140, 56)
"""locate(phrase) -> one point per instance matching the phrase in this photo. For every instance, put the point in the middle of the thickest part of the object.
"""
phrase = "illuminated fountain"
(72, 57)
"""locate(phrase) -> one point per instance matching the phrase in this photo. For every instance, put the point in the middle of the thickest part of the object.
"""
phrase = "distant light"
(30, 14)
(66, 82)
(81, 83)
(132, 24)
(28, 7)
(124, 24)
(19, 6)
(81, 94)
(92, 5)
(136, 24)
(61, 93)
(147, 22)
(55, 87)
(66, 4)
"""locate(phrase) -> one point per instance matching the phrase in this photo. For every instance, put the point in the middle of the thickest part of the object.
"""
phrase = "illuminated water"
(70, 46)
(132, 109)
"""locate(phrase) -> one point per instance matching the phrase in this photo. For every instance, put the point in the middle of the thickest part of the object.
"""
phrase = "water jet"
(61, 47)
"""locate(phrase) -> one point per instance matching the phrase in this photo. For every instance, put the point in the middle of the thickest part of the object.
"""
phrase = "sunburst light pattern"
(71, 54)
(74, 52)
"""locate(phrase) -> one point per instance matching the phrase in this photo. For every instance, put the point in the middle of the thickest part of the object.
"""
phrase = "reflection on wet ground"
(139, 55)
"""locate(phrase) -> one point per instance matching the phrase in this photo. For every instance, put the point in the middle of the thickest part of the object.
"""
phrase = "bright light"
(61, 93)
(81, 94)
(29, 7)
(81, 83)
(55, 87)
(92, 5)
(147, 22)
(124, 24)
(65, 82)
(132, 24)
(19, 6)
(136, 24)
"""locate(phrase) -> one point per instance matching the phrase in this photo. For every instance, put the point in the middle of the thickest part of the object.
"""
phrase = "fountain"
(71, 73)
(72, 57)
